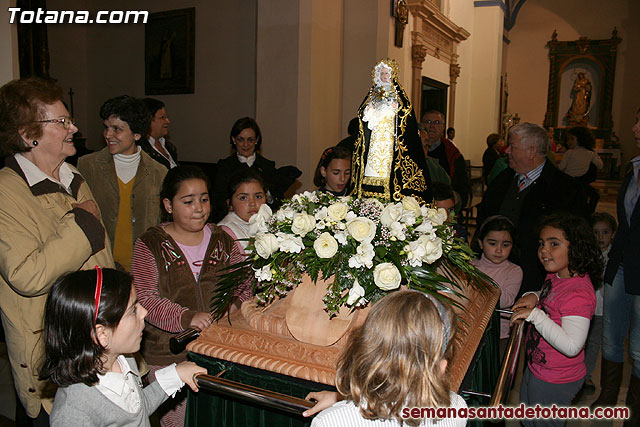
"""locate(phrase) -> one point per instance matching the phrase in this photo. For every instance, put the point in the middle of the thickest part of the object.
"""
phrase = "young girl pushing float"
(93, 318)
(560, 313)
(396, 360)
(176, 267)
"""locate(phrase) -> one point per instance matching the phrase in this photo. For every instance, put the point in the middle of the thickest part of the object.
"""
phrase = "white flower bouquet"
(369, 247)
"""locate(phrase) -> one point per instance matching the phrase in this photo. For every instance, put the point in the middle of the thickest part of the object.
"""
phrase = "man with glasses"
(436, 146)
(529, 189)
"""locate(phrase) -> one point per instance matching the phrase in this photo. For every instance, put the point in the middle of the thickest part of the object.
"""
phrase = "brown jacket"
(100, 172)
(42, 237)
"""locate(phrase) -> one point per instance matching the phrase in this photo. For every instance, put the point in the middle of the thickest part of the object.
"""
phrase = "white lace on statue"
(380, 115)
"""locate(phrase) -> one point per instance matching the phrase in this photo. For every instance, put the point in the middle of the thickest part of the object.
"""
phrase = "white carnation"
(290, 243)
(341, 238)
(264, 274)
(321, 214)
(398, 230)
(416, 252)
(258, 221)
(363, 257)
(355, 293)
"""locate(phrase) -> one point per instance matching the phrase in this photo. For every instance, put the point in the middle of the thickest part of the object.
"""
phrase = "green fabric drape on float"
(209, 409)
(206, 408)
(485, 367)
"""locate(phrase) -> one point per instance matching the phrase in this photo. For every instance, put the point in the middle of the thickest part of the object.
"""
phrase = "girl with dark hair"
(124, 179)
(176, 266)
(560, 312)
(333, 171)
(495, 242)
(245, 138)
(92, 318)
(396, 360)
(247, 194)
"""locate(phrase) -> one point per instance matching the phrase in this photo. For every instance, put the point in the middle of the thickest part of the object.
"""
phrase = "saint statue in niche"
(388, 159)
(578, 113)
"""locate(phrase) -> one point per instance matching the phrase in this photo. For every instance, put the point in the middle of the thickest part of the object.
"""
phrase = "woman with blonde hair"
(395, 361)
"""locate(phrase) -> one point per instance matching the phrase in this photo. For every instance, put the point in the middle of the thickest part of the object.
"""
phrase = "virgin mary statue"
(388, 159)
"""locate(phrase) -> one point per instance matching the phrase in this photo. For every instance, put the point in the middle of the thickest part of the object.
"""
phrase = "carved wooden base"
(259, 338)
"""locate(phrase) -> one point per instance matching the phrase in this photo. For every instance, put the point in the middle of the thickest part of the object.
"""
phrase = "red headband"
(98, 292)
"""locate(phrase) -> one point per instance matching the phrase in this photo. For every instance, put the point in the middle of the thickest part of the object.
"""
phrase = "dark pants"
(535, 391)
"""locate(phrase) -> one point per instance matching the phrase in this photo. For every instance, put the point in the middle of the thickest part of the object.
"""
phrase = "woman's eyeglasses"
(66, 122)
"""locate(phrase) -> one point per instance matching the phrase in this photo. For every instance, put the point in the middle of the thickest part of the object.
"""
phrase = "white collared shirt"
(248, 160)
(161, 140)
(120, 388)
(35, 175)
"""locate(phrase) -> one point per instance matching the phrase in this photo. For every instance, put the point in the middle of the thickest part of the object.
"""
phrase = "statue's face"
(385, 75)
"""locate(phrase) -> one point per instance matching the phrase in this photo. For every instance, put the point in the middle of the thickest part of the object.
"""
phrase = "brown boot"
(610, 379)
(633, 402)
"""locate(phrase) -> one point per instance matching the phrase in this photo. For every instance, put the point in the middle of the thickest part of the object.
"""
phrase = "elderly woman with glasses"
(50, 225)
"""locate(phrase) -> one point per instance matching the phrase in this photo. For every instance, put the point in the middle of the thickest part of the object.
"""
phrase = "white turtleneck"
(127, 165)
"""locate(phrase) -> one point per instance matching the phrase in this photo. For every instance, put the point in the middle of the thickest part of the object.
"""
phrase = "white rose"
(362, 229)
(337, 211)
(266, 244)
(258, 221)
(290, 243)
(411, 204)
(264, 274)
(390, 214)
(436, 215)
(442, 215)
(434, 250)
(302, 224)
(386, 276)
(355, 293)
(363, 257)
(325, 245)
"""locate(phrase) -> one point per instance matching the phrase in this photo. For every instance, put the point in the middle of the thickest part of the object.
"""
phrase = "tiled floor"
(608, 191)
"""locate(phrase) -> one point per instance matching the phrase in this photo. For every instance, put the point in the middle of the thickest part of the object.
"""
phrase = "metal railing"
(509, 367)
(252, 394)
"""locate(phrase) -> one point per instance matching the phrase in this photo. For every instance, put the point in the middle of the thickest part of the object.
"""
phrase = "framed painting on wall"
(169, 52)
(581, 77)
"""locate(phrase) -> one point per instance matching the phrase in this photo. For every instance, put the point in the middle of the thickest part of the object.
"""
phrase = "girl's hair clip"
(98, 292)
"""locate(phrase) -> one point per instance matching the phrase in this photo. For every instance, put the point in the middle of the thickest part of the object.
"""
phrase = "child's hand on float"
(527, 301)
(187, 372)
(200, 321)
(520, 313)
(323, 399)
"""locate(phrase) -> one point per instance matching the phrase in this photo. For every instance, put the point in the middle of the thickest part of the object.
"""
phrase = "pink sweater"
(508, 276)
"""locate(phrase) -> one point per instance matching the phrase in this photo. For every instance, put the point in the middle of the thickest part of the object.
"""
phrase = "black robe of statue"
(409, 173)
